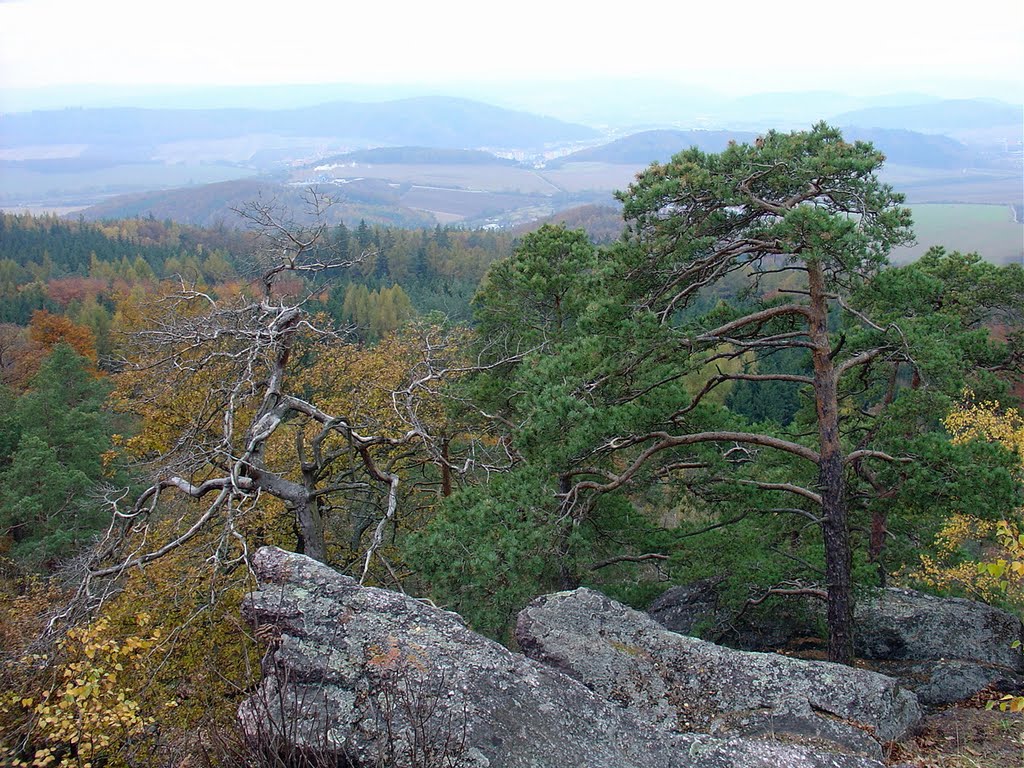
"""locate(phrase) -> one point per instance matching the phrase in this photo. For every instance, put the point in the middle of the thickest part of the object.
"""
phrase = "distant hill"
(212, 205)
(419, 156)
(653, 146)
(917, 149)
(949, 116)
(900, 146)
(425, 121)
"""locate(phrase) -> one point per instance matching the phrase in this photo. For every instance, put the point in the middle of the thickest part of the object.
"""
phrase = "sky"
(736, 47)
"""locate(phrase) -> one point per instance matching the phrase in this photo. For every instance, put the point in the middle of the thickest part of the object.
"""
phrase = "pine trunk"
(831, 477)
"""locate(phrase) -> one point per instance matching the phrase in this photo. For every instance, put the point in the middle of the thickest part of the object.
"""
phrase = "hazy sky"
(738, 46)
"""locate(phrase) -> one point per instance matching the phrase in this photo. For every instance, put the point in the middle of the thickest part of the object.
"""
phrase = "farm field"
(487, 178)
(592, 176)
(988, 229)
(22, 188)
(463, 203)
(970, 185)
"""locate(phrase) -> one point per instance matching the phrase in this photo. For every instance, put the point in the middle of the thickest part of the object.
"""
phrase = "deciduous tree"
(238, 412)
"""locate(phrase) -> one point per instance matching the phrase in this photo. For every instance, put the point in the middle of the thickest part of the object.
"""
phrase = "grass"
(21, 186)
(988, 229)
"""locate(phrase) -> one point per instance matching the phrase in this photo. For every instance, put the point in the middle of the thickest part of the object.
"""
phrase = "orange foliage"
(48, 330)
(68, 289)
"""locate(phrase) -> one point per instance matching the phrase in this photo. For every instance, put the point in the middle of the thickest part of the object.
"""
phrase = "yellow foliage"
(945, 570)
(999, 574)
(185, 396)
(985, 420)
(1002, 565)
(89, 710)
(169, 649)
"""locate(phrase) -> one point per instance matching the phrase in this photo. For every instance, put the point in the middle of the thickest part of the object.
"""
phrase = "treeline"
(82, 270)
(48, 246)
(438, 269)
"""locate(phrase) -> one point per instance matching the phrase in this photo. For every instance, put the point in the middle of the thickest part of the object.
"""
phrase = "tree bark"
(446, 470)
(311, 529)
(567, 577)
(831, 476)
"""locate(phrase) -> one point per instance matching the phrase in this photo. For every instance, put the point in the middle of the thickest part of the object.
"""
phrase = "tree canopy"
(798, 227)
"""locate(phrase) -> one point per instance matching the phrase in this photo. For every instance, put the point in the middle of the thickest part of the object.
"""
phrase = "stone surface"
(684, 684)
(899, 624)
(938, 683)
(695, 609)
(380, 678)
(687, 607)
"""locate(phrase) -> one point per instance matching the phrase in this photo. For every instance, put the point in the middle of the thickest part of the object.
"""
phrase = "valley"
(439, 160)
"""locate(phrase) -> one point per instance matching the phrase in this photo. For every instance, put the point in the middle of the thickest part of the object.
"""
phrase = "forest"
(739, 387)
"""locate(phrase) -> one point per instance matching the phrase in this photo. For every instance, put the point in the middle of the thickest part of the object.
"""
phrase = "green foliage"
(770, 401)
(375, 313)
(710, 200)
(56, 436)
(540, 291)
(488, 550)
(624, 361)
(947, 306)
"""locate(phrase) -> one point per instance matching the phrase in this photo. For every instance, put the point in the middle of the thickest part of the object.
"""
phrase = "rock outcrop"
(684, 684)
(377, 677)
(898, 624)
(943, 649)
(695, 609)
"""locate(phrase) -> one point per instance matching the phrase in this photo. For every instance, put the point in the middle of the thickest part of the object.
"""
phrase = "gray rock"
(695, 609)
(904, 624)
(938, 683)
(378, 678)
(687, 607)
(685, 684)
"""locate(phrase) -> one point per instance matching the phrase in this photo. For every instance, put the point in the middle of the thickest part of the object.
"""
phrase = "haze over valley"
(428, 159)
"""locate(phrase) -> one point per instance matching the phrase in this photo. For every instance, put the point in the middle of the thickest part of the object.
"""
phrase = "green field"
(20, 187)
(988, 229)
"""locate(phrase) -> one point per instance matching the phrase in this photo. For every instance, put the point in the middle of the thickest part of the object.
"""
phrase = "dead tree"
(241, 353)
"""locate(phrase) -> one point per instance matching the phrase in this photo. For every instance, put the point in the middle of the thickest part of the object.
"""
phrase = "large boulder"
(374, 678)
(902, 624)
(939, 683)
(695, 609)
(945, 649)
(685, 684)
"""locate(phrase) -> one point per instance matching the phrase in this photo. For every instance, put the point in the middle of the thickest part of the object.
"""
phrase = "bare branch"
(756, 318)
(869, 454)
(196, 527)
(666, 441)
(627, 559)
(788, 487)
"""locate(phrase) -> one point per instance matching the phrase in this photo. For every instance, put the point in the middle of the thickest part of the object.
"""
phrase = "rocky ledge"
(681, 683)
(372, 677)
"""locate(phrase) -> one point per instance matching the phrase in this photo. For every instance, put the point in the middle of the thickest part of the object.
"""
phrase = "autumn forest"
(737, 386)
